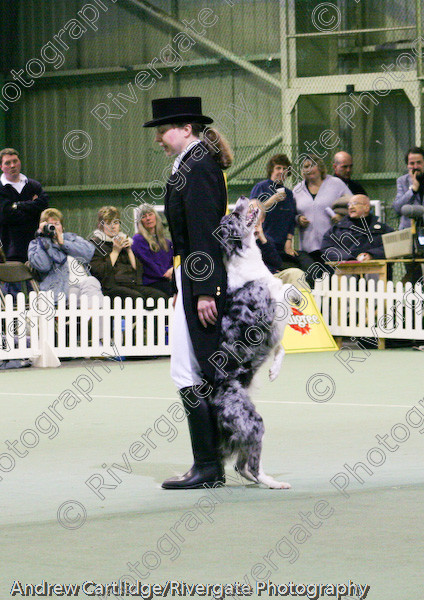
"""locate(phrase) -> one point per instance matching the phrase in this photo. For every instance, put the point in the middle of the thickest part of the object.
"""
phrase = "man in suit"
(358, 235)
(22, 200)
(410, 187)
(195, 202)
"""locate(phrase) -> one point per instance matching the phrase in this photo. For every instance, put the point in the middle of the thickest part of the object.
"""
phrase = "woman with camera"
(62, 259)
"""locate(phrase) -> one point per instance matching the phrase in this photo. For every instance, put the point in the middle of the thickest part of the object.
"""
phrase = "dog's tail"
(241, 428)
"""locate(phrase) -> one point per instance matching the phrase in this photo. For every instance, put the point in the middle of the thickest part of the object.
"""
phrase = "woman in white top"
(317, 192)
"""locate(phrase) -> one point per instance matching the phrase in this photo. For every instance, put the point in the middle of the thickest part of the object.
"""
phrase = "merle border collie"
(256, 313)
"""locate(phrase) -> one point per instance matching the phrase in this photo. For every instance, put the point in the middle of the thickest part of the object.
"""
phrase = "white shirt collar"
(180, 157)
(23, 179)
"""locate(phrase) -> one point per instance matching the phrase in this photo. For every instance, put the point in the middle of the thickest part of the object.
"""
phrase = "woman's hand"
(41, 227)
(126, 243)
(259, 233)
(174, 300)
(272, 200)
(303, 221)
(117, 243)
(206, 310)
(59, 237)
(168, 273)
(288, 248)
(116, 250)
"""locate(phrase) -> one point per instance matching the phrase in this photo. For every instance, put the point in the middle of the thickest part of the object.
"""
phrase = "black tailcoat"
(195, 202)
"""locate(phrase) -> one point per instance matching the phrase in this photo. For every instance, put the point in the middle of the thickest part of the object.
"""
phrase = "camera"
(49, 230)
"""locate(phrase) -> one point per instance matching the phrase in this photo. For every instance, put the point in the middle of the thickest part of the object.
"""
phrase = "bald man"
(343, 165)
(358, 235)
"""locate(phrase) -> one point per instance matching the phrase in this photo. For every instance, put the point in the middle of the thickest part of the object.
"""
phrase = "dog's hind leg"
(242, 468)
(270, 481)
(278, 361)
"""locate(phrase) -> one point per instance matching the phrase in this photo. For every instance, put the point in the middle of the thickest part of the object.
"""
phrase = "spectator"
(343, 166)
(314, 196)
(62, 259)
(280, 218)
(358, 235)
(153, 250)
(114, 263)
(410, 187)
(270, 256)
(22, 200)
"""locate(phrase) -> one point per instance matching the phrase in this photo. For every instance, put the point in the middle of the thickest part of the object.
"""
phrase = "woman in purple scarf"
(153, 250)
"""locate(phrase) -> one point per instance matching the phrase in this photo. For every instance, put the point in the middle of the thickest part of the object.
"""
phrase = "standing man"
(195, 202)
(410, 187)
(343, 166)
(22, 201)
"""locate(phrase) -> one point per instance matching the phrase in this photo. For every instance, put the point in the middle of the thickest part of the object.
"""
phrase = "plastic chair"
(16, 272)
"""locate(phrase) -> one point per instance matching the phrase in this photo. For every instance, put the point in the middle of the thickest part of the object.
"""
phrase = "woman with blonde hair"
(153, 250)
(314, 198)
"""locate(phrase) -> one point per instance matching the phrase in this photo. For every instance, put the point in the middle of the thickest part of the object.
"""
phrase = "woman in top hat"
(195, 202)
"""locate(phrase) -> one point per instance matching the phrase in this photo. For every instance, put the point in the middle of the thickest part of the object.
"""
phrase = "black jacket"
(120, 275)
(19, 217)
(351, 237)
(195, 202)
(270, 255)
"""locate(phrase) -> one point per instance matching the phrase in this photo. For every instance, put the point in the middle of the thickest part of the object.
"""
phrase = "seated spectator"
(22, 200)
(114, 263)
(270, 256)
(62, 259)
(153, 250)
(280, 217)
(358, 235)
(410, 187)
(314, 198)
(343, 165)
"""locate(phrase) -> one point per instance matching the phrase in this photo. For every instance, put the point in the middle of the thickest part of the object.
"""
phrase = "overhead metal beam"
(336, 84)
(128, 71)
(166, 19)
(313, 34)
(254, 157)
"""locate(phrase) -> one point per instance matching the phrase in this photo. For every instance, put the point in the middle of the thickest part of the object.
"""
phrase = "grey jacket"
(405, 196)
(51, 260)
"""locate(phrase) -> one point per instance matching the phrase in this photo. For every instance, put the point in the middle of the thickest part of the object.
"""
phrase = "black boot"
(207, 469)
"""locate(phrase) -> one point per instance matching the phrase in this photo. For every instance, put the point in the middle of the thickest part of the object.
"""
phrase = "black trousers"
(314, 266)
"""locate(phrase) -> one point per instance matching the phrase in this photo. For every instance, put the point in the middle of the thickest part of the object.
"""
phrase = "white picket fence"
(117, 328)
(361, 308)
(39, 329)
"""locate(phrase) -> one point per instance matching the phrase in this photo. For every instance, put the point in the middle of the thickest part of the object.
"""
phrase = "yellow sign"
(306, 330)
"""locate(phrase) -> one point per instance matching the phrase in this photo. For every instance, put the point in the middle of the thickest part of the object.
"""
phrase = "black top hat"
(184, 109)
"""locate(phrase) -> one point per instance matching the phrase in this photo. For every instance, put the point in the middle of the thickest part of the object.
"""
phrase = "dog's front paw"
(284, 485)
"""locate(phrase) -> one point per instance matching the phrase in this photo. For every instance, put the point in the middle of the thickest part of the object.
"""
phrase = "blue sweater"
(51, 260)
(280, 219)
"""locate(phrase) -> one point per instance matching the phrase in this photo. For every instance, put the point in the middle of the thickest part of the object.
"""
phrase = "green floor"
(234, 534)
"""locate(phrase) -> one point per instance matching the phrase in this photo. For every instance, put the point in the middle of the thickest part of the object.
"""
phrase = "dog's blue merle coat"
(248, 335)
